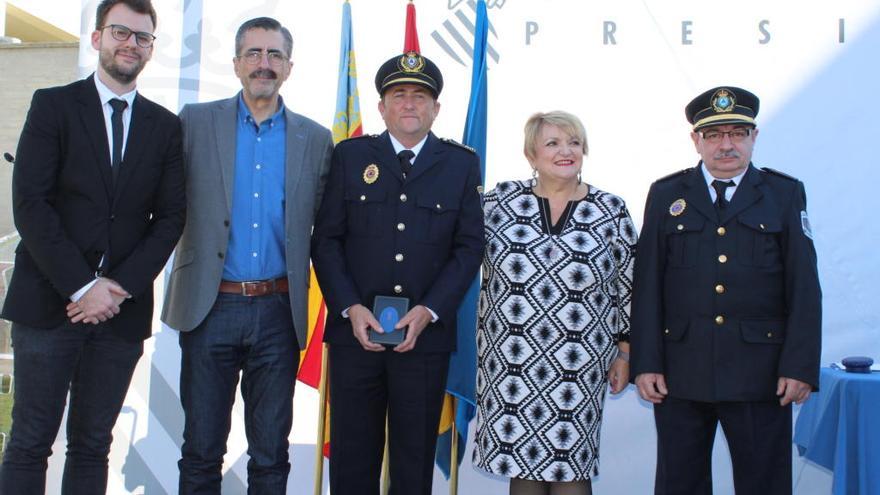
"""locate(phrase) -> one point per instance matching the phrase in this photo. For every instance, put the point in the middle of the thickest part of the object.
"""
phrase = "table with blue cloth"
(839, 429)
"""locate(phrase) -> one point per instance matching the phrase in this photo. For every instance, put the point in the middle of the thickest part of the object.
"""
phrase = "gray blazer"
(209, 159)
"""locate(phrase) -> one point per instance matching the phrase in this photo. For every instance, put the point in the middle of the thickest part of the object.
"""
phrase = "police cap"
(722, 105)
(409, 68)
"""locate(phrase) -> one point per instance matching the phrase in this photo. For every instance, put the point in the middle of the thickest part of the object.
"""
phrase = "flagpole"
(386, 468)
(322, 413)
(453, 461)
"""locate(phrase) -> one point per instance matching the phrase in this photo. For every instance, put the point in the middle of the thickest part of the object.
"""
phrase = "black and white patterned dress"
(552, 309)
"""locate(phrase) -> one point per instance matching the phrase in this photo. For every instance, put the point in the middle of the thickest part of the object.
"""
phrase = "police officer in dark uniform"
(401, 216)
(726, 308)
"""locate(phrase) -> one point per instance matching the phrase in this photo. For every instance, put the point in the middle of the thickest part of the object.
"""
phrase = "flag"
(411, 36)
(461, 380)
(346, 124)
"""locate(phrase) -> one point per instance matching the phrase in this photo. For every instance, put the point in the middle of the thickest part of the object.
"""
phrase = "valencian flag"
(460, 382)
(346, 124)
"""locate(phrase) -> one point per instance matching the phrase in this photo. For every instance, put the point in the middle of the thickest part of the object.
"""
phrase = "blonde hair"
(565, 121)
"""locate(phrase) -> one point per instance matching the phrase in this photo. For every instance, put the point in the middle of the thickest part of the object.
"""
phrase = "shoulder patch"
(674, 174)
(778, 173)
(456, 143)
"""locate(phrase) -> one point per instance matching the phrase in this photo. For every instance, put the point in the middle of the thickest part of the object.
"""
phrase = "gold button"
(666, 331)
(722, 258)
(719, 289)
(680, 227)
(721, 231)
(769, 334)
(363, 197)
(398, 257)
(719, 320)
(403, 198)
(398, 289)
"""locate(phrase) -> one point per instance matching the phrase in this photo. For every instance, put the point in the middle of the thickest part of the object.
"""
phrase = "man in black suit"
(727, 316)
(401, 217)
(98, 199)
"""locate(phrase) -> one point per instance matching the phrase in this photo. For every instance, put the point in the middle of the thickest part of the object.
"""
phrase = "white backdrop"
(627, 68)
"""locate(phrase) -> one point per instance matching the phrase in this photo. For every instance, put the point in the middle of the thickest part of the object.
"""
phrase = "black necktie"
(405, 164)
(720, 187)
(116, 121)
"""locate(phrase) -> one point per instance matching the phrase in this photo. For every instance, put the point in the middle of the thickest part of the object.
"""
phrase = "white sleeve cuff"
(434, 316)
(78, 294)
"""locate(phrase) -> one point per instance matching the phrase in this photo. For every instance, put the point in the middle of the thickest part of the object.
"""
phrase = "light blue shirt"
(256, 234)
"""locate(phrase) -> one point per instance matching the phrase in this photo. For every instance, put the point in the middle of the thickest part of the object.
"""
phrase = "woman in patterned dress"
(554, 316)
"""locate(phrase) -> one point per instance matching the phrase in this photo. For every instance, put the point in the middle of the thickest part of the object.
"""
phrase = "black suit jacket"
(724, 306)
(433, 220)
(70, 213)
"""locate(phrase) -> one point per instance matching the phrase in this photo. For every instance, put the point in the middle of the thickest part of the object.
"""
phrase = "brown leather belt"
(254, 288)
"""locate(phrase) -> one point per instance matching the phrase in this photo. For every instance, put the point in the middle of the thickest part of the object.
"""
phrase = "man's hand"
(362, 320)
(100, 303)
(416, 319)
(652, 387)
(790, 390)
(618, 375)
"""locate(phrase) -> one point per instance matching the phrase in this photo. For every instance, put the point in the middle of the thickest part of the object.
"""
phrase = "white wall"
(817, 119)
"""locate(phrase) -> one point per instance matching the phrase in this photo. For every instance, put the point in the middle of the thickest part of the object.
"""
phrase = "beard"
(120, 73)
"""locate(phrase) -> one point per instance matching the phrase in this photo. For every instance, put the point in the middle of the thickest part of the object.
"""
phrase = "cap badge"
(677, 207)
(723, 101)
(371, 173)
(411, 62)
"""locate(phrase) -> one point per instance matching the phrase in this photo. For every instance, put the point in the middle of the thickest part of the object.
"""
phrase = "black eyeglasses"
(736, 135)
(122, 33)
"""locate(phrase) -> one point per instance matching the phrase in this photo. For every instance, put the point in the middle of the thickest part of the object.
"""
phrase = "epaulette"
(456, 143)
(674, 174)
(778, 173)
(362, 136)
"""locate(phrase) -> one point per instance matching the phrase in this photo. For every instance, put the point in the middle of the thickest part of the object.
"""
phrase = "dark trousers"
(95, 366)
(253, 336)
(364, 386)
(758, 434)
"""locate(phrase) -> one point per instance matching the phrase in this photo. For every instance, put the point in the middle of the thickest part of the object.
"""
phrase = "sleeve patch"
(805, 224)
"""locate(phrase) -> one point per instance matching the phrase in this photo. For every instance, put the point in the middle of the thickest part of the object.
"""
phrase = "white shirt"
(105, 94)
(728, 193)
(415, 149)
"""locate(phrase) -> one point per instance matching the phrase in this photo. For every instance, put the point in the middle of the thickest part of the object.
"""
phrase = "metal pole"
(322, 416)
(453, 461)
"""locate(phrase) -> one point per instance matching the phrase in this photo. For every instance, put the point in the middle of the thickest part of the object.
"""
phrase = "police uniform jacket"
(725, 306)
(377, 233)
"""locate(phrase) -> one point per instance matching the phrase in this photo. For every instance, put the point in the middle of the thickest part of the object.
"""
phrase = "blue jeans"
(253, 336)
(95, 365)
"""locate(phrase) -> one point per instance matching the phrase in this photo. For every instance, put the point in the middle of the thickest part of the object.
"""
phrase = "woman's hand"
(618, 375)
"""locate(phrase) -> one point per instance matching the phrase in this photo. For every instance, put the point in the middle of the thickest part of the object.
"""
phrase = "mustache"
(727, 154)
(264, 73)
(129, 52)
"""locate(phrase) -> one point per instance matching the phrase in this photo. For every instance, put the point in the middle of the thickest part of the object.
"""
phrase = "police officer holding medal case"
(401, 218)
(726, 321)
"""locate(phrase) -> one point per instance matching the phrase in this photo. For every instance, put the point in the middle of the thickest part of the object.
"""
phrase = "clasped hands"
(362, 320)
(100, 303)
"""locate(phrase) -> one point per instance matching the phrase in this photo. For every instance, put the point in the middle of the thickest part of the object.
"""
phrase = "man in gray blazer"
(238, 292)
